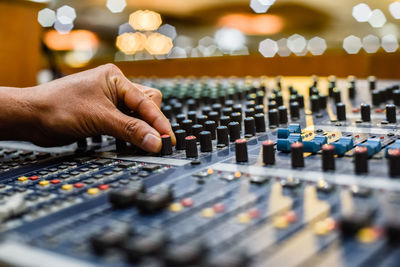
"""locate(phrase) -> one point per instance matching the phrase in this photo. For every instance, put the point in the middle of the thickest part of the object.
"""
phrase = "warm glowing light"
(145, 20)
(130, 43)
(158, 44)
(253, 24)
(77, 39)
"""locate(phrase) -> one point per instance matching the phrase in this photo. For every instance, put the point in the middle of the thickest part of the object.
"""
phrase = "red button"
(79, 185)
(34, 178)
(254, 213)
(187, 202)
(103, 187)
(55, 181)
(219, 207)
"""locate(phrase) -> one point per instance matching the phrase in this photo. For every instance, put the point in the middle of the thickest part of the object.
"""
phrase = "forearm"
(17, 114)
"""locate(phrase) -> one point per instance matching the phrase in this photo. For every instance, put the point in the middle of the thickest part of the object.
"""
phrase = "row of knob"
(366, 112)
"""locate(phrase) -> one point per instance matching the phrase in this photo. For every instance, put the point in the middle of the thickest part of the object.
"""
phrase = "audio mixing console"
(266, 172)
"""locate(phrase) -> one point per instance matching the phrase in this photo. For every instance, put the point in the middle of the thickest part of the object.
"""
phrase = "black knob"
(294, 111)
(365, 112)
(228, 103)
(250, 104)
(297, 155)
(187, 126)
(300, 100)
(283, 118)
(205, 110)
(341, 111)
(249, 126)
(236, 116)
(271, 105)
(196, 129)
(222, 135)
(279, 99)
(328, 157)
(237, 108)
(191, 146)
(394, 162)
(202, 119)
(192, 115)
(241, 150)
(234, 131)
(213, 116)
(180, 118)
(352, 91)
(260, 98)
(314, 103)
(391, 113)
(82, 143)
(376, 97)
(384, 94)
(205, 141)
(260, 122)
(372, 82)
(323, 101)
(268, 152)
(227, 111)
(175, 126)
(337, 96)
(361, 159)
(217, 108)
(249, 112)
(258, 109)
(224, 120)
(396, 97)
(273, 117)
(166, 148)
(180, 139)
(177, 108)
(167, 110)
(191, 103)
(211, 126)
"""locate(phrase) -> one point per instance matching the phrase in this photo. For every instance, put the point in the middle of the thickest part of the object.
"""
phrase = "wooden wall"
(19, 43)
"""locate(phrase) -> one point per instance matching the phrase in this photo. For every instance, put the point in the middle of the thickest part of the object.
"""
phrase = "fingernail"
(151, 143)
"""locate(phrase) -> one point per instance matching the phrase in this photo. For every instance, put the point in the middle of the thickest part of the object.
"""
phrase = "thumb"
(132, 130)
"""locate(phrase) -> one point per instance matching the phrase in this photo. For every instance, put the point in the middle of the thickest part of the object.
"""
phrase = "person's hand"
(85, 104)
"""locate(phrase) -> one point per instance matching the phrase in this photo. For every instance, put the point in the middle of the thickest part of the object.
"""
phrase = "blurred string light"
(139, 34)
(283, 50)
(116, 6)
(158, 44)
(296, 43)
(317, 46)
(62, 20)
(268, 48)
(252, 24)
(145, 20)
(230, 40)
(352, 44)
(361, 12)
(377, 19)
(77, 39)
(261, 6)
(394, 9)
(390, 43)
(371, 43)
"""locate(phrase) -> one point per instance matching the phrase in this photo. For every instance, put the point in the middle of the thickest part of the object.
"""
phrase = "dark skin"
(85, 104)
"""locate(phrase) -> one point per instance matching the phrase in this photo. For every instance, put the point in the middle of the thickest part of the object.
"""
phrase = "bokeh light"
(177, 52)
(390, 43)
(126, 27)
(394, 9)
(377, 19)
(352, 44)
(130, 43)
(145, 20)
(46, 17)
(63, 28)
(283, 50)
(77, 39)
(317, 46)
(297, 43)
(230, 40)
(116, 6)
(268, 48)
(252, 24)
(361, 12)
(168, 30)
(371, 43)
(66, 15)
(158, 44)
(260, 6)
